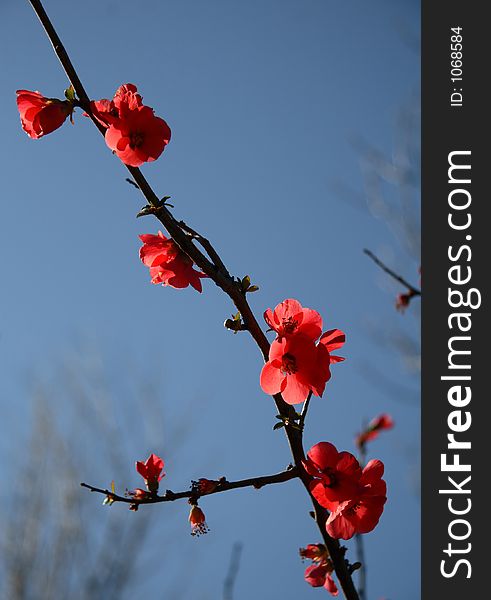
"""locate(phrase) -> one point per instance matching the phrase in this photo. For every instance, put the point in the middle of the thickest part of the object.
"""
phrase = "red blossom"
(289, 318)
(206, 486)
(104, 111)
(355, 498)
(126, 98)
(198, 521)
(336, 474)
(402, 301)
(151, 471)
(133, 132)
(373, 429)
(314, 552)
(361, 513)
(138, 494)
(296, 367)
(320, 576)
(139, 137)
(168, 264)
(40, 115)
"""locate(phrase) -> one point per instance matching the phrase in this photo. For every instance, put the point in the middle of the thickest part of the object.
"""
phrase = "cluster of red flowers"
(373, 429)
(319, 573)
(299, 362)
(133, 132)
(354, 496)
(167, 263)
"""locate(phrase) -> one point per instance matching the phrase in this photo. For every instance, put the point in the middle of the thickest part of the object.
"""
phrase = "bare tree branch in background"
(233, 570)
(55, 546)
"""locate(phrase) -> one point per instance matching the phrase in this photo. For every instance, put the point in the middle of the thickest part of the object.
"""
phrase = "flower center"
(136, 139)
(288, 364)
(353, 509)
(289, 325)
(331, 474)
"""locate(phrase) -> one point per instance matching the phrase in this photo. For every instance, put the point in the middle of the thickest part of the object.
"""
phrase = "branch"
(305, 408)
(228, 585)
(217, 272)
(222, 486)
(414, 291)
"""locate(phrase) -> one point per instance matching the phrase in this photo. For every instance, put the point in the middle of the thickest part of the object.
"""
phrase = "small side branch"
(222, 486)
(305, 408)
(207, 246)
(413, 290)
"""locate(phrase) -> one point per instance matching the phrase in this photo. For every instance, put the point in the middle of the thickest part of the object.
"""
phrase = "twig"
(222, 486)
(212, 253)
(414, 291)
(131, 182)
(225, 282)
(305, 408)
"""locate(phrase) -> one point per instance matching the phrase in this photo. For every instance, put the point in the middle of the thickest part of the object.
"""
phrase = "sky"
(268, 102)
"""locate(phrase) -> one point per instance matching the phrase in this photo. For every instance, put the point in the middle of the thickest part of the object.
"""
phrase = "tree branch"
(218, 273)
(305, 408)
(233, 569)
(414, 291)
(222, 486)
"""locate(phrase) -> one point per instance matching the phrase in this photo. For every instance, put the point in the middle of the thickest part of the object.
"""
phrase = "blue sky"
(264, 100)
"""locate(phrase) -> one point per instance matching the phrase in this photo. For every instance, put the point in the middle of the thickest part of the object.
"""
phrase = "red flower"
(296, 367)
(138, 494)
(320, 576)
(126, 98)
(336, 474)
(314, 552)
(151, 471)
(168, 264)
(139, 137)
(133, 132)
(205, 486)
(40, 115)
(402, 301)
(362, 512)
(157, 249)
(289, 318)
(373, 429)
(198, 521)
(104, 111)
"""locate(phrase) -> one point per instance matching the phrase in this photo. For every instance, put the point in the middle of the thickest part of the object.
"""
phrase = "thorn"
(354, 567)
(147, 210)
(131, 182)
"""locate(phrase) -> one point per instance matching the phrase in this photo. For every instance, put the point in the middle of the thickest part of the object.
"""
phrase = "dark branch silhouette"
(233, 569)
(215, 269)
(413, 290)
(222, 486)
